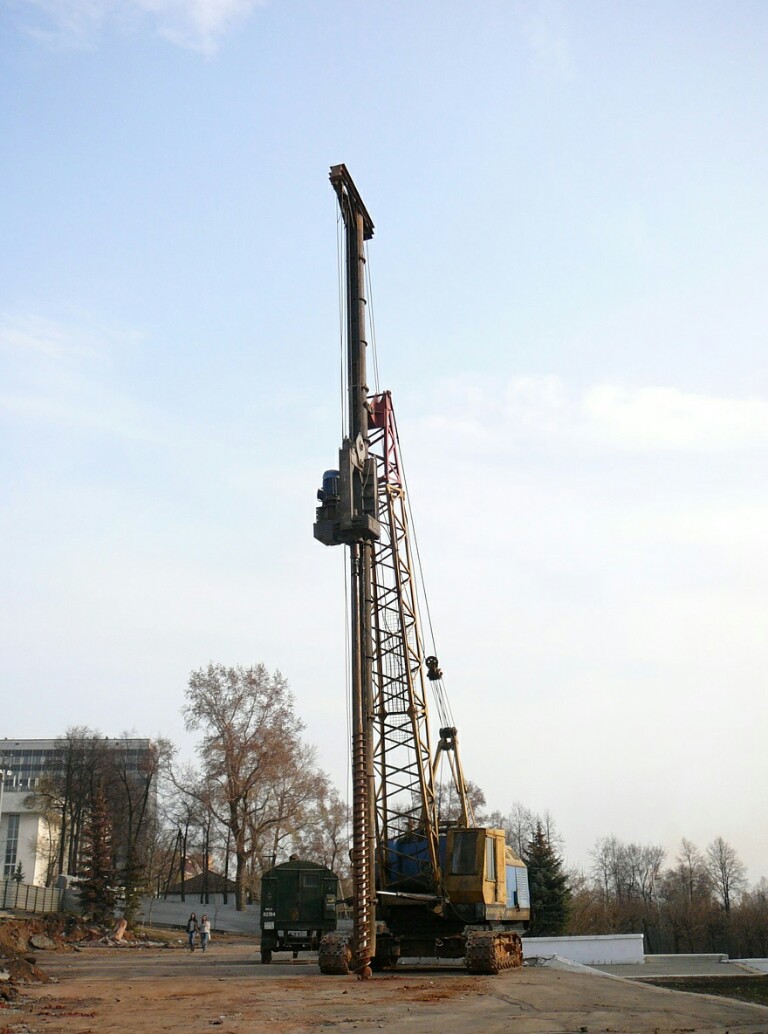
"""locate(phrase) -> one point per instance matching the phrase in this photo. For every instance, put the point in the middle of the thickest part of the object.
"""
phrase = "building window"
(11, 846)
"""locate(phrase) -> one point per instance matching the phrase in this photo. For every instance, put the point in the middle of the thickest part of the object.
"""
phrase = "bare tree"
(626, 878)
(520, 824)
(64, 794)
(649, 862)
(251, 742)
(449, 806)
(324, 835)
(700, 903)
(607, 867)
(183, 818)
(132, 786)
(553, 835)
(751, 920)
(282, 807)
(686, 899)
(727, 872)
(691, 870)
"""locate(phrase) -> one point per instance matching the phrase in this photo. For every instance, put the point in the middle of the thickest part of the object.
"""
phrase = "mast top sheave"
(344, 185)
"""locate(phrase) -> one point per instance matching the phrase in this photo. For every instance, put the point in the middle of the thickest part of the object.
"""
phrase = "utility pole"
(348, 515)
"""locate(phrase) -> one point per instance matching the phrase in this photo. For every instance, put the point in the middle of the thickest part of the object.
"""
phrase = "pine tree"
(550, 894)
(98, 871)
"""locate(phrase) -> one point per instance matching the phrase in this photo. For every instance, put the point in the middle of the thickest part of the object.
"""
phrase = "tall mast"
(348, 514)
(358, 229)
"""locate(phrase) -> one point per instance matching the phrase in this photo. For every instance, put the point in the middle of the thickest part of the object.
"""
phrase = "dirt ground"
(143, 990)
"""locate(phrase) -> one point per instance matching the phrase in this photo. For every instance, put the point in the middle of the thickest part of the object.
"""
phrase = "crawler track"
(335, 954)
(489, 951)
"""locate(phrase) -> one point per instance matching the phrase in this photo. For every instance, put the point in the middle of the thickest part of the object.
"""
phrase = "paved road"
(244, 960)
(152, 964)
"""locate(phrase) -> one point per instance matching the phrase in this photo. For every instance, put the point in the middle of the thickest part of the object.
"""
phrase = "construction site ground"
(150, 989)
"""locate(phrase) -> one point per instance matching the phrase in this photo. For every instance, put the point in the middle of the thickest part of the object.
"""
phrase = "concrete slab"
(681, 966)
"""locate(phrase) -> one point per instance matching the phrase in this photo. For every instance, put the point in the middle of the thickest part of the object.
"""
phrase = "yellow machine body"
(481, 869)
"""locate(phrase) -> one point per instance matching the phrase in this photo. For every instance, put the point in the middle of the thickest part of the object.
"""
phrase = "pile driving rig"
(421, 886)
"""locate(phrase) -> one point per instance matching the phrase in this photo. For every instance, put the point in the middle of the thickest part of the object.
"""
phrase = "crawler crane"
(421, 886)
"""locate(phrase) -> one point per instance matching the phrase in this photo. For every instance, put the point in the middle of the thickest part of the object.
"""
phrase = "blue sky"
(569, 275)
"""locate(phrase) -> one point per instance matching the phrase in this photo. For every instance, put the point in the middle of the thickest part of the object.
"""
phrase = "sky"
(568, 288)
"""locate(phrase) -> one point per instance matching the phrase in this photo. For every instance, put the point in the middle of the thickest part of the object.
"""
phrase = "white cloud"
(33, 334)
(194, 24)
(86, 407)
(68, 23)
(197, 24)
(543, 414)
(667, 419)
(61, 375)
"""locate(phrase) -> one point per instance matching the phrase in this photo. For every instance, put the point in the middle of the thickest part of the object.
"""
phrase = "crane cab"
(481, 869)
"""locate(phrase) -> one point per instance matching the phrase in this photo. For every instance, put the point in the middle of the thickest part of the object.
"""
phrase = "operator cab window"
(464, 853)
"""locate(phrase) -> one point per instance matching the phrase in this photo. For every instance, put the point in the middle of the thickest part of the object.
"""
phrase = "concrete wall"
(158, 912)
(612, 949)
(213, 899)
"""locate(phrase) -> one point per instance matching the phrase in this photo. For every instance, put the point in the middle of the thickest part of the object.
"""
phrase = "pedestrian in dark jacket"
(191, 930)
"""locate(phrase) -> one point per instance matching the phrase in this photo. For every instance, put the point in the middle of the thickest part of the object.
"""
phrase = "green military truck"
(298, 907)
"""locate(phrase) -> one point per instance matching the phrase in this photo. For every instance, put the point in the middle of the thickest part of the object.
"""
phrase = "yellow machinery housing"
(482, 869)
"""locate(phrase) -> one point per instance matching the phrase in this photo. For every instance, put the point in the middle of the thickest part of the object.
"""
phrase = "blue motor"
(330, 489)
(407, 859)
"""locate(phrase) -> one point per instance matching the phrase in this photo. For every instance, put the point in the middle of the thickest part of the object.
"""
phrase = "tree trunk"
(242, 863)
(63, 838)
(226, 868)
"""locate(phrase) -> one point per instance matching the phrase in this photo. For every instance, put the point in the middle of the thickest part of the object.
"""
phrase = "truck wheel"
(266, 956)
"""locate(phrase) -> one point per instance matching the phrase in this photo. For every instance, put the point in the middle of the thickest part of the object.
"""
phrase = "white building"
(26, 836)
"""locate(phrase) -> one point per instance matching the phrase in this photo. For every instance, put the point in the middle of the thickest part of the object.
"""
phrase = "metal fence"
(23, 897)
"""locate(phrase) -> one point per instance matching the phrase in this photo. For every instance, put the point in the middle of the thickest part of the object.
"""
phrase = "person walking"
(205, 932)
(191, 930)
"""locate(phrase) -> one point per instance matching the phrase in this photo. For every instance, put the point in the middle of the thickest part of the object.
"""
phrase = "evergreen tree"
(97, 889)
(550, 894)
